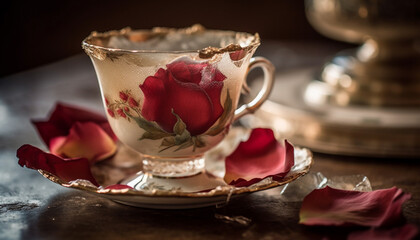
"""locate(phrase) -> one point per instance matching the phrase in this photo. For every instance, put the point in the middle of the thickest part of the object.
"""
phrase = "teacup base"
(173, 168)
(199, 182)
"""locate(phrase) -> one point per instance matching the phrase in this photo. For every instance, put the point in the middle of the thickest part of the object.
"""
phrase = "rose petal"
(118, 187)
(62, 119)
(66, 169)
(406, 232)
(329, 206)
(260, 157)
(86, 140)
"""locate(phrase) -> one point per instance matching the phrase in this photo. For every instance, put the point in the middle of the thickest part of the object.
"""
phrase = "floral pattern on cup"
(181, 104)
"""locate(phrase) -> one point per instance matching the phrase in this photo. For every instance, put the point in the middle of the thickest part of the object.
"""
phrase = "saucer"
(190, 192)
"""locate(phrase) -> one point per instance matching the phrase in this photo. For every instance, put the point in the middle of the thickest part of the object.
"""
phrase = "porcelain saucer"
(191, 192)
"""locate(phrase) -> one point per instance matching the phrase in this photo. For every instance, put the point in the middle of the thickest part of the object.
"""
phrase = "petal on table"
(86, 140)
(329, 206)
(259, 157)
(65, 169)
(405, 232)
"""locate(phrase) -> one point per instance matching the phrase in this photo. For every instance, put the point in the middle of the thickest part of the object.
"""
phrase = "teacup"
(172, 94)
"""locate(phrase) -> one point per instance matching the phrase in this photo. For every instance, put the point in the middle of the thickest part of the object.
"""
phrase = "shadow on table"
(77, 215)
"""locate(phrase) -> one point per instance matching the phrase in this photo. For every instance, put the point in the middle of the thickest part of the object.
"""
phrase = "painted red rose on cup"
(188, 89)
(181, 104)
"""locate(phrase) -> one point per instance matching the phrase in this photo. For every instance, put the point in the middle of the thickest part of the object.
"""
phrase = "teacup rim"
(207, 52)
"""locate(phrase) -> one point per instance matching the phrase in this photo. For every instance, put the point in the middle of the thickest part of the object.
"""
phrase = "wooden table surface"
(31, 207)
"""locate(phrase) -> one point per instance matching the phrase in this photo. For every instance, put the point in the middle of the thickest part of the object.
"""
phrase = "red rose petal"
(406, 232)
(62, 119)
(86, 140)
(329, 206)
(259, 157)
(66, 169)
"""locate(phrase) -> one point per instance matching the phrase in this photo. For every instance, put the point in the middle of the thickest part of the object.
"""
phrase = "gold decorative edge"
(101, 53)
(218, 191)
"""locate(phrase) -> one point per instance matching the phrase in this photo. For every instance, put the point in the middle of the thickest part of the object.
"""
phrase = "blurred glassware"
(385, 70)
(364, 101)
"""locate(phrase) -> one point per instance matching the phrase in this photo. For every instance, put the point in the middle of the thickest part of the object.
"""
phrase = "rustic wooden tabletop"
(31, 207)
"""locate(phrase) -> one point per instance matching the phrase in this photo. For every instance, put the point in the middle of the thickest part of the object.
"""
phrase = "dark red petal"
(66, 169)
(62, 119)
(329, 206)
(48, 130)
(118, 186)
(259, 157)
(406, 232)
(87, 140)
(67, 114)
(107, 128)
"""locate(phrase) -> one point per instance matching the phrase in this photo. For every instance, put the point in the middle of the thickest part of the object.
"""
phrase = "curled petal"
(66, 169)
(86, 140)
(260, 157)
(62, 119)
(406, 232)
(329, 206)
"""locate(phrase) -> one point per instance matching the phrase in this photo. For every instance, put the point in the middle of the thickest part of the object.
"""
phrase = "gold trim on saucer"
(226, 190)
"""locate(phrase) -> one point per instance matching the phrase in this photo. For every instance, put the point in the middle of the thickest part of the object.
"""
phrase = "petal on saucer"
(65, 169)
(405, 232)
(86, 139)
(259, 157)
(329, 206)
(62, 119)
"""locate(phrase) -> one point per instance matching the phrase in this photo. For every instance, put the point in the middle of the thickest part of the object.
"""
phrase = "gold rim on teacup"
(96, 43)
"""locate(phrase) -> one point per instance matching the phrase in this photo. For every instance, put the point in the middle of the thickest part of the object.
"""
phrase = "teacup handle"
(268, 69)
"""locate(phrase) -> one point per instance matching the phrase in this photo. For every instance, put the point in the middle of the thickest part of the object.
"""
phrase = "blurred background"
(40, 32)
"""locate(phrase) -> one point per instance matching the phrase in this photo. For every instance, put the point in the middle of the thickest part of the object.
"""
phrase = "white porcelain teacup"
(171, 94)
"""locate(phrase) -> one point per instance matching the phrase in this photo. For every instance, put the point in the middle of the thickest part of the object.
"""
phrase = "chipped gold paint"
(95, 42)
